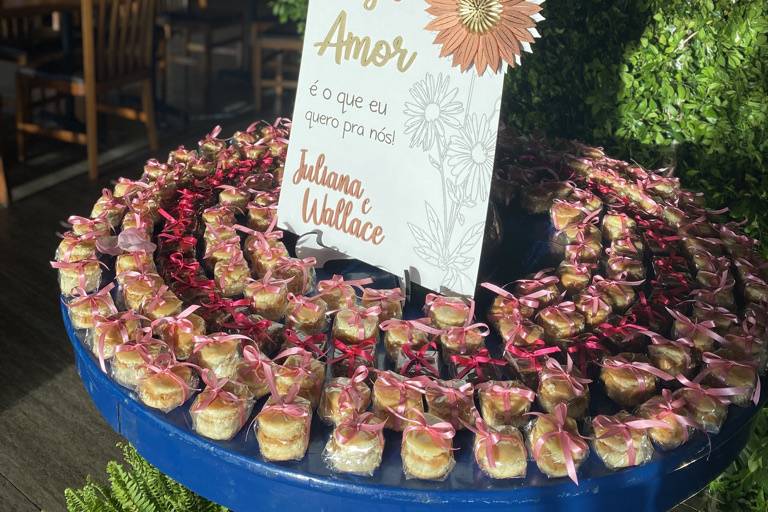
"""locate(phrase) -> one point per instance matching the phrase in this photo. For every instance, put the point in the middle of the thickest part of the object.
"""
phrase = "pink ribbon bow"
(214, 388)
(215, 339)
(338, 283)
(554, 370)
(403, 386)
(713, 361)
(613, 426)
(506, 390)
(94, 300)
(636, 368)
(115, 322)
(349, 396)
(456, 398)
(441, 432)
(570, 443)
(358, 316)
(488, 437)
(164, 364)
(352, 425)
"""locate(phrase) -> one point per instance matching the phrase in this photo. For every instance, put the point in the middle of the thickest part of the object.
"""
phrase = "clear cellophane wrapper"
(355, 325)
(627, 386)
(551, 460)
(461, 341)
(165, 393)
(303, 280)
(423, 457)
(445, 312)
(508, 457)
(73, 248)
(83, 310)
(354, 449)
(111, 330)
(231, 277)
(283, 429)
(221, 358)
(617, 447)
(398, 335)
(456, 404)
(555, 388)
(139, 261)
(574, 277)
(666, 438)
(310, 378)
(222, 419)
(81, 275)
(390, 392)
(705, 410)
(307, 316)
(732, 373)
(505, 402)
(560, 322)
(339, 401)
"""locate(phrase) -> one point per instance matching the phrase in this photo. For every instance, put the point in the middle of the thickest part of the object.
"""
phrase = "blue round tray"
(234, 474)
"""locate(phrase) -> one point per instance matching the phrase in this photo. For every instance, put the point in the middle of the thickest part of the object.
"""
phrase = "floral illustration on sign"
(484, 33)
(460, 145)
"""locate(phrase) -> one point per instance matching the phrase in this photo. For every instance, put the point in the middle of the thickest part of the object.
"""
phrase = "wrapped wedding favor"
(465, 340)
(561, 321)
(404, 396)
(356, 445)
(344, 359)
(345, 396)
(217, 413)
(84, 308)
(356, 324)
(630, 379)
(563, 385)
(427, 447)
(300, 272)
(109, 332)
(499, 451)
(219, 352)
(390, 301)
(556, 444)
(300, 369)
(282, 426)
(339, 293)
(721, 371)
(622, 440)
(452, 401)
(415, 362)
(671, 411)
(128, 365)
(505, 402)
(477, 367)
(399, 333)
(306, 314)
(179, 331)
(593, 306)
(445, 312)
(168, 383)
(79, 276)
(706, 406)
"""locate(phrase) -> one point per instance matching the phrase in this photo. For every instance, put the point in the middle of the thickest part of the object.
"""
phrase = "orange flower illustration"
(483, 33)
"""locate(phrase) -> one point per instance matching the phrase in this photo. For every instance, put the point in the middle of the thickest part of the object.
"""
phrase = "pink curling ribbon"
(72, 241)
(713, 361)
(286, 263)
(94, 300)
(352, 425)
(418, 362)
(338, 283)
(114, 322)
(570, 444)
(358, 317)
(217, 338)
(256, 361)
(312, 344)
(146, 277)
(506, 390)
(176, 324)
(532, 354)
(456, 397)
(441, 432)
(394, 295)
(354, 354)
(670, 407)
(263, 241)
(164, 364)
(688, 328)
(613, 426)
(636, 368)
(716, 312)
(602, 282)
(720, 394)
(214, 389)
(555, 371)
(403, 386)
(155, 164)
(98, 225)
(349, 395)
(80, 268)
(433, 301)
(301, 301)
(477, 362)
(488, 437)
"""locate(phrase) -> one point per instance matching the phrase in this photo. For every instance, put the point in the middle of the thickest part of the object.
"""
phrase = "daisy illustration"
(483, 33)
(434, 107)
(470, 157)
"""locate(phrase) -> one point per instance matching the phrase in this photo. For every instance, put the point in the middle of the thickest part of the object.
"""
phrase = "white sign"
(392, 147)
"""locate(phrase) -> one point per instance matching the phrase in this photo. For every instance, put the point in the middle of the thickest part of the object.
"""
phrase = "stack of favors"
(187, 295)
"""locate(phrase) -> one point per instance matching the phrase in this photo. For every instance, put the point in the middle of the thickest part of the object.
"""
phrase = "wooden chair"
(5, 196)
(28, 40)
(220, 27)
(117, 52)
(271, 48)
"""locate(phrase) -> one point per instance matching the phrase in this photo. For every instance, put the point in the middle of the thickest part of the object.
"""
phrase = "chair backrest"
(164, 6)
(124, 31)
(22, 28)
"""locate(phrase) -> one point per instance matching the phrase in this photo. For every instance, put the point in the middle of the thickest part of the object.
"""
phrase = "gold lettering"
(348, 46)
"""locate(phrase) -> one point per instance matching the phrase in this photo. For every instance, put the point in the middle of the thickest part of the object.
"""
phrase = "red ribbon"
(362, 351)
(308, 343)
(467, 363)
(418, 361)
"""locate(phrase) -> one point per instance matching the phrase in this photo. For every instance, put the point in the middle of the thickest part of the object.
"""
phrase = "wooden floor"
(51, 436)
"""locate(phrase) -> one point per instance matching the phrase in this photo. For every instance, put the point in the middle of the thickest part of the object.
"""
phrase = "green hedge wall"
(680, 82)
